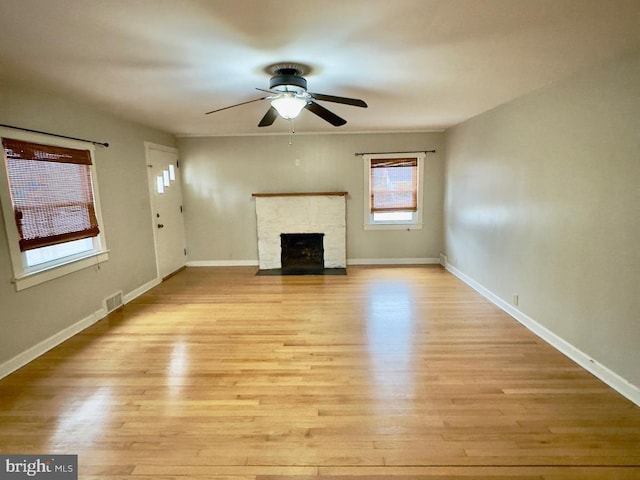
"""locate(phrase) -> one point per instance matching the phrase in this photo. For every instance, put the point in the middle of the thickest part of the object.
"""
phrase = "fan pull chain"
(292, 130)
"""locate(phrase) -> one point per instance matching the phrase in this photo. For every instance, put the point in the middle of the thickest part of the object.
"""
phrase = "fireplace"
(302, 253)
(301, 213)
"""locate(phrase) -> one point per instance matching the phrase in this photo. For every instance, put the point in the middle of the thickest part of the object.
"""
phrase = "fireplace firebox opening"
(302, 253)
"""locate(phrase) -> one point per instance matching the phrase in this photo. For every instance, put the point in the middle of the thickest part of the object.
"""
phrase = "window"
(393, 185)
(50, 206)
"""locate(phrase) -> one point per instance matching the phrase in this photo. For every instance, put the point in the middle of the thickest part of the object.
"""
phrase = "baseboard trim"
(615, 381)
(141, 290)
(43, 347)
(393, 261)
(353, 261)
(56, 339)
(223, 263)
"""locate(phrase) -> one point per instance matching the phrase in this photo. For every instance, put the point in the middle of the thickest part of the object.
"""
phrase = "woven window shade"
(394, 185)
(51, 192)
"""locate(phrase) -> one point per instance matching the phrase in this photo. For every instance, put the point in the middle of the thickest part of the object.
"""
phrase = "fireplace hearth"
(302, 253)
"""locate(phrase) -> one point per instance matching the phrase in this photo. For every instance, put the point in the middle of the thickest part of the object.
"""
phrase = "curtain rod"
(392, 153)
(103, 144)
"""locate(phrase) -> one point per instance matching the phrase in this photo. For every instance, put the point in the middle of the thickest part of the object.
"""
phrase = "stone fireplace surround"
(314, 212)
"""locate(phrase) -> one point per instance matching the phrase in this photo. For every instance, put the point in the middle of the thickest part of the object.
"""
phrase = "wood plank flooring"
(385, 373)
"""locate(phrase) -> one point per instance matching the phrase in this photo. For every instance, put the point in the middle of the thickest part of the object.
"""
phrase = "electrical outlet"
(515, 299)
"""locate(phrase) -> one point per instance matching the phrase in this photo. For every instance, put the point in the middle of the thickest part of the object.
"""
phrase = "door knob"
(160, 225)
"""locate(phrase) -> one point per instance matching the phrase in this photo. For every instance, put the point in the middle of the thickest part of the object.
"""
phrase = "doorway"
(165, 192)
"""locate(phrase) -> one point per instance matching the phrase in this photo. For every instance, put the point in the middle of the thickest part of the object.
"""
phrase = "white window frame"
(23, 275)
(416, 221)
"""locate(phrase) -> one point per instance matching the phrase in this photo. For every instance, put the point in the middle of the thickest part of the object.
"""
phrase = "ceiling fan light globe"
(288, 106)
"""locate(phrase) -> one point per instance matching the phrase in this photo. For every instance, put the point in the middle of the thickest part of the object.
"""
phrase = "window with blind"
(50, 207)
(393, 183)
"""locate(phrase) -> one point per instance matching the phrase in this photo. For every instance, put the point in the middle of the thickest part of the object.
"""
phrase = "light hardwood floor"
(386, 373)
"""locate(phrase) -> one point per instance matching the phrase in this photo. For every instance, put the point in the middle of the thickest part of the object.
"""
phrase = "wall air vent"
(113, 302)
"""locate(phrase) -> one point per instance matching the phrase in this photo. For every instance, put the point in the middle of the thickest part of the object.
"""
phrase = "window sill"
(32, 279)
(393, 226)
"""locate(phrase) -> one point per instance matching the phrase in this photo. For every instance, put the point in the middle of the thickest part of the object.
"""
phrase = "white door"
(165, 190)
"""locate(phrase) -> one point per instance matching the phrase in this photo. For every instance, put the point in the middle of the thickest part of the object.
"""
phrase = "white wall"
(36, 314)
(543, 200)
(221, 173)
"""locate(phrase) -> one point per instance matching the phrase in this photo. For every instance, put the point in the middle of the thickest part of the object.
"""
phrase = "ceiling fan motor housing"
(287, 77)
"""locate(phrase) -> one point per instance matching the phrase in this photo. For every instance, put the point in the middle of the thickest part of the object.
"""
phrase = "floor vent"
(113, 302)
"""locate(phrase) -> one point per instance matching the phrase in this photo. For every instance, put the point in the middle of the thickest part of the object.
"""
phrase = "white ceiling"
(420, 64)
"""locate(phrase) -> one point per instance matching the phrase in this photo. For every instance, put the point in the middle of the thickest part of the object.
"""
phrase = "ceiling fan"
(289, 96)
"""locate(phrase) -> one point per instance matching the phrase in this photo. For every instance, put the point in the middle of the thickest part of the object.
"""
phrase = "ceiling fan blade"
(269, 117)
(356, 102)
(325, 114)
(266, 91)
(236, 105)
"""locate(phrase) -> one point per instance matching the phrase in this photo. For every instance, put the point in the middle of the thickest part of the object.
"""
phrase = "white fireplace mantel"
(312, 212)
